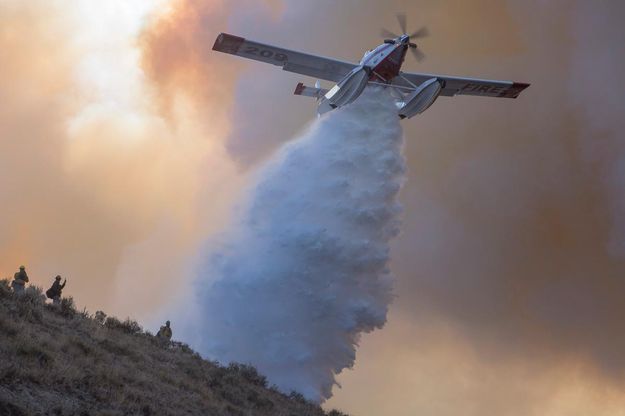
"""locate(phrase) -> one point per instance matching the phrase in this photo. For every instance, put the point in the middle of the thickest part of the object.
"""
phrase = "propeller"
(385, 33)
(401, 18)
(421, 33)
(418, 54)
(418, 34)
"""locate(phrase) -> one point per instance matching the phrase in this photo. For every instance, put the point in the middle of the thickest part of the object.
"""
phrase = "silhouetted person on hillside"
(19, 280)
(56, 290)
(165, 332)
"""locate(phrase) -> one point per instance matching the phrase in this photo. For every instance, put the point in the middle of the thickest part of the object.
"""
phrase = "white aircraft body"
(414, 92)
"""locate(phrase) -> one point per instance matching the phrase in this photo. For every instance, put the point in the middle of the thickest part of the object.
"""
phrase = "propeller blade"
(419, 56)
(401, 18)
(421, 33)
(385, 33)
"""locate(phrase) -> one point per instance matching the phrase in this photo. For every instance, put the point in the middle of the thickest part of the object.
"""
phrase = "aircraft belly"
(388, 68)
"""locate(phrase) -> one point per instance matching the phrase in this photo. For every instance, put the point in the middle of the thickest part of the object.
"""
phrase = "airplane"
(414, 92)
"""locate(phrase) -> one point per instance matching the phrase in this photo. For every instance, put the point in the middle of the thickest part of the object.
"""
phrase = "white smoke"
(305, 270)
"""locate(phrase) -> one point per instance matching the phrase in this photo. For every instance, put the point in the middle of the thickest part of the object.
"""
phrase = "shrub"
(100, 317)
(181, 346)
(128, 326)
(11, 409)
(8, 375)
(5, 288)
(30, 304)
(26, 348)
(116, 347)
(259, 401)
(131, 326)
(7, 327)
(85, 313)
(112, 322)
(249, 373)
(298, 397)
(335, 412)
(68, 308)
(34, 295)
(80, 345)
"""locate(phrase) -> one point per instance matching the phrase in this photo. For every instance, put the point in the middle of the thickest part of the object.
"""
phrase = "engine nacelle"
(349, 88)
(421, 99)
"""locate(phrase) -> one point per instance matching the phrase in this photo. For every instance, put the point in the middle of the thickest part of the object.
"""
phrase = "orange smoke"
(176, 57)
(93, 167)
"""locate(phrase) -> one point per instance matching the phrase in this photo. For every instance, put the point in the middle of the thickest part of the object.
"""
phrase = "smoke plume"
(305, 270)
(105, 135)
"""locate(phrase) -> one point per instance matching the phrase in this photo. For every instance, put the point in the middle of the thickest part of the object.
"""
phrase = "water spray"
(304, 271)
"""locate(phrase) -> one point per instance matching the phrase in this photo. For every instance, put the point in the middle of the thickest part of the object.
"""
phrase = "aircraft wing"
(463, 86)
(292, 61)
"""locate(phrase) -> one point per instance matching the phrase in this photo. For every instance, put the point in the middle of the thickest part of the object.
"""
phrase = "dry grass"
(57, 361)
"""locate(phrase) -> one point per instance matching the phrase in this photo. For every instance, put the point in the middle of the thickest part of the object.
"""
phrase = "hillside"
(58, 361)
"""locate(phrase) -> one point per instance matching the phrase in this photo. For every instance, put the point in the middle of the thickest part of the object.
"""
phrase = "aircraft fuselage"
(385, 60)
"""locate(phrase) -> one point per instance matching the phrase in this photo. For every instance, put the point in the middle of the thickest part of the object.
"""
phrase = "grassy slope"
(56, 361)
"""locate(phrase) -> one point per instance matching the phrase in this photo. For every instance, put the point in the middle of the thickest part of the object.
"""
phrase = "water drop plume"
(304, 271)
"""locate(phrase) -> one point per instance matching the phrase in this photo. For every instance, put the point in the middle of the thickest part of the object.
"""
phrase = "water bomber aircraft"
(414, 92)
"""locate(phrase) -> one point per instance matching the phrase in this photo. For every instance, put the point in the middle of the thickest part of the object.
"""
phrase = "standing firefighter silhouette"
(164, 332)
(56, 290)
(19, 280)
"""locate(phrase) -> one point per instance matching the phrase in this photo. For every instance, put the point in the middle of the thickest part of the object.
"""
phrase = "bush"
(128, 326)
(8, 375)
(83, 347)
(181, 346)
(249, 373)
(33, 295)
(117, 347)
(68, 308)
(112, 323)
(335, 412)
(259, 401)
(30, 304)
(7, 327)
(26, 348)
(298, 397)
(100, 317)
(11, 409)
(5, 288)
(84, 314)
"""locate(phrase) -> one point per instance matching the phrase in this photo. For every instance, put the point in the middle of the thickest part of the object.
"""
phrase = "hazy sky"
(124, 141)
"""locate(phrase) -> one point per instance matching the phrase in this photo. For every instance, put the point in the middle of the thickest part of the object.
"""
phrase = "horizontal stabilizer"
(301, 89)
